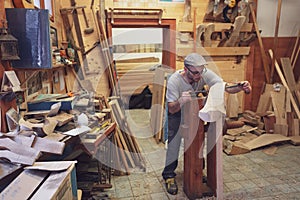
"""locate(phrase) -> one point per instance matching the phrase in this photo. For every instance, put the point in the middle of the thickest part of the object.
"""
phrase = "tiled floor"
(254, 175)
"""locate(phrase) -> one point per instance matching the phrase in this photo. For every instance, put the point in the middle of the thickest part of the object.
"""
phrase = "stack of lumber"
(127, 149)
(135, 74)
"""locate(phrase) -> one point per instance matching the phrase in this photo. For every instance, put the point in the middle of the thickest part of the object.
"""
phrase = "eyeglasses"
(197, 72)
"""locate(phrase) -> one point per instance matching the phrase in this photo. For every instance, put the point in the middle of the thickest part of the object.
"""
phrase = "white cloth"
(214, 112)
(214, 107)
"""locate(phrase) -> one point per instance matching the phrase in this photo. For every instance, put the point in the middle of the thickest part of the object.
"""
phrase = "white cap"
(194, 60)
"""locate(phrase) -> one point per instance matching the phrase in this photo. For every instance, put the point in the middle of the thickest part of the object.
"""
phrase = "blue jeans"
(174, 141)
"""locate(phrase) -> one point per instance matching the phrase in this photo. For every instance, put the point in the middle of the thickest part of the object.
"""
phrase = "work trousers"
(174, 141)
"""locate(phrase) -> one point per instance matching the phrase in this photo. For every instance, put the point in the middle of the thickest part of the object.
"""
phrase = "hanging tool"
(88, 29)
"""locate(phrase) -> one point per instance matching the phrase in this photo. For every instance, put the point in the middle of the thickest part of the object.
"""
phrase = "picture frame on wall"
(53, 38)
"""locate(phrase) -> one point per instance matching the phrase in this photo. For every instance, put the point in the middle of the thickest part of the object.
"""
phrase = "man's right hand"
(185, 97)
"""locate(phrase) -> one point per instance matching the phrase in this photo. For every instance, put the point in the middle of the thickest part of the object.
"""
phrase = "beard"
(192, 79)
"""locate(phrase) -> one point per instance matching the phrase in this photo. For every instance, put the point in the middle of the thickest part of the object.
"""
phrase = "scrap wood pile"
(19, 149)
(277, 117)
(275, 121)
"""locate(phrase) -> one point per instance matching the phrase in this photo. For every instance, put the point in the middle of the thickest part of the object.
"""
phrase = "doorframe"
(169, 34)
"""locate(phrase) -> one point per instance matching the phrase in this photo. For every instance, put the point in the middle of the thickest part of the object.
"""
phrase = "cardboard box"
(39, 184)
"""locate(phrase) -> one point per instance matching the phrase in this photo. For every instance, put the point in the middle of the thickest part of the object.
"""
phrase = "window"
(137, 42)
(45, 4)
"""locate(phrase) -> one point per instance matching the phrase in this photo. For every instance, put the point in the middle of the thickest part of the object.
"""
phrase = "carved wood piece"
(210, 28)
(235, 34)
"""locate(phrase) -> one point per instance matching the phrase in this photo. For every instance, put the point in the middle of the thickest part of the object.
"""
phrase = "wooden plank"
(296, 58)
(125, 130)
(294, 104)
(125, 146)
(296, 45)
(20, 149)
(215, 51)
(49, 146)
(62, 118)
(275, 43)
(135, 65)
(232, 108)
(278, 103)
(239, 131)
(16, 158)
(115, 157)
(188, 27)
(157, 107)
(24, 140)
(121, 151)
(289, 76)
(138, 60)
(265, 139)
(262, 49)
(296, 128)
(264, 100)
(17, 190)
(58, 185)
(295, 140)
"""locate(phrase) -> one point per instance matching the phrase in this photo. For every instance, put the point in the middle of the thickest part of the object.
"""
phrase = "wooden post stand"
(193, 133)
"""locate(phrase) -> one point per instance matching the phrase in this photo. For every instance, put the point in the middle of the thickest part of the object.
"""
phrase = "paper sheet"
(77, 131)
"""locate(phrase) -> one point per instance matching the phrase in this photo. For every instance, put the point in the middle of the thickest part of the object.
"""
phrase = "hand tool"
(197, 92)
(88, 29)
(238, 85)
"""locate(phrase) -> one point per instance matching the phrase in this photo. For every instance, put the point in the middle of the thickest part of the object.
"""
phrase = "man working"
(180, 85)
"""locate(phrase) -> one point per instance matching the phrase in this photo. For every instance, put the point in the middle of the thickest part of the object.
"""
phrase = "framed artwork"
(53, 37)
(34, 83)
